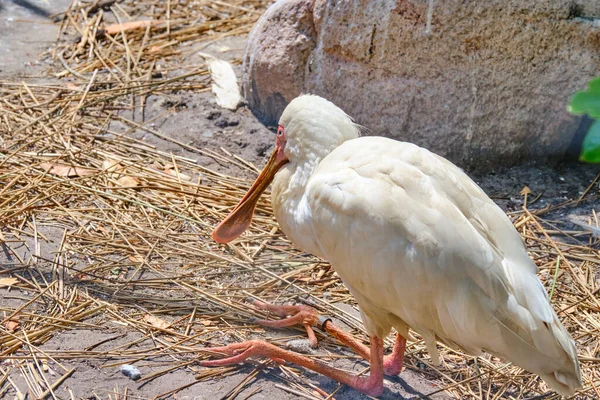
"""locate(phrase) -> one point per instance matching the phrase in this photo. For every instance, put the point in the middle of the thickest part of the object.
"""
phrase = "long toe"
(293, 315)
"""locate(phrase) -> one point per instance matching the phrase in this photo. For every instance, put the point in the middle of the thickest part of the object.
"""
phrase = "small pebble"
(300, 346)
(130, 371)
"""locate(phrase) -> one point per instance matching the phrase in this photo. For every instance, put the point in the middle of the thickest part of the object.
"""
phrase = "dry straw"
(135, 222)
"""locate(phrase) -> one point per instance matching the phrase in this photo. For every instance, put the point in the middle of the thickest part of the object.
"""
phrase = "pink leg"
(308, 316)
(392, 363)
(371, 385)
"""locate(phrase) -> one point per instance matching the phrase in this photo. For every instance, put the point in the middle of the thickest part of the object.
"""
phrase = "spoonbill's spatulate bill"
(415, 240)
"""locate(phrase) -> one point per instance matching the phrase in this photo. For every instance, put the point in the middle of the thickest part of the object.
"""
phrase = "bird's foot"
(294, 314)
(240, 352)
(310, 317)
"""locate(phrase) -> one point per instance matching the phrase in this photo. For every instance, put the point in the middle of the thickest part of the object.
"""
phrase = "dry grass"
(137, 220)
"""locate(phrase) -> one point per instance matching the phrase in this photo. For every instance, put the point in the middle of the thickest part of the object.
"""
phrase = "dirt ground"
(195, 119)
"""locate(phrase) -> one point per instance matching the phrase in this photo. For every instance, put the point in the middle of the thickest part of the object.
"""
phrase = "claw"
(230, 350)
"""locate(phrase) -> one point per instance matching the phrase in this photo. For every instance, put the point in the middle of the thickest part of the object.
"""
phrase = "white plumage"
(417, 243)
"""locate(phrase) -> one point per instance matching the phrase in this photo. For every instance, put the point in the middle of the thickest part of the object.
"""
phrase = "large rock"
(487, 85)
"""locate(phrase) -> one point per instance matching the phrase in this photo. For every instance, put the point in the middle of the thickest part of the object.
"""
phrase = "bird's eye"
(280, 131)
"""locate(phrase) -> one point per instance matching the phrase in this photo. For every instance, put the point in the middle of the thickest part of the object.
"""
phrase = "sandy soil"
(193, 118)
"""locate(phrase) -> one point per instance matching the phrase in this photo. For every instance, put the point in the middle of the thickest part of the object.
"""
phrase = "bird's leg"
(309, 317)
(392, 363)
(371, 385)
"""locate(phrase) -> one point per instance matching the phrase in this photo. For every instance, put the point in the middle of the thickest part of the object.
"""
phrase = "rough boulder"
(484, 82)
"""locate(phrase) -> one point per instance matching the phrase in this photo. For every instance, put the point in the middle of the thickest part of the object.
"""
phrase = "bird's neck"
(290, 204)
(305, 156)
(290, 182)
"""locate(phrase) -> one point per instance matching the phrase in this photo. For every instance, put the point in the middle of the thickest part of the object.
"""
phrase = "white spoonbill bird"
(415, 240)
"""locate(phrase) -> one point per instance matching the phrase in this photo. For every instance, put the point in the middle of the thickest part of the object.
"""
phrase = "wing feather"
(402, 225)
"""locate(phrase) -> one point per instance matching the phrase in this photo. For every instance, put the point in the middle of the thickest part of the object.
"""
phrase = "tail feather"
(550, 351)
(547, 351)
(567, 379)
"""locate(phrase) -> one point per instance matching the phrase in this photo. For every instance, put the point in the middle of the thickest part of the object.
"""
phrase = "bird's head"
(309, 129)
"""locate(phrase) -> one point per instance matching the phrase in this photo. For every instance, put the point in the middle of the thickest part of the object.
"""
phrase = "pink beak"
(240, 218)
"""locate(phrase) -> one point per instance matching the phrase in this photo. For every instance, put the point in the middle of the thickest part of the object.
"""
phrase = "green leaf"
(594, 84)
(590, 150)
(587, 101)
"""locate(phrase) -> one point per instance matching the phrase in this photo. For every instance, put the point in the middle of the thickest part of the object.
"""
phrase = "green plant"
(588, 102)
